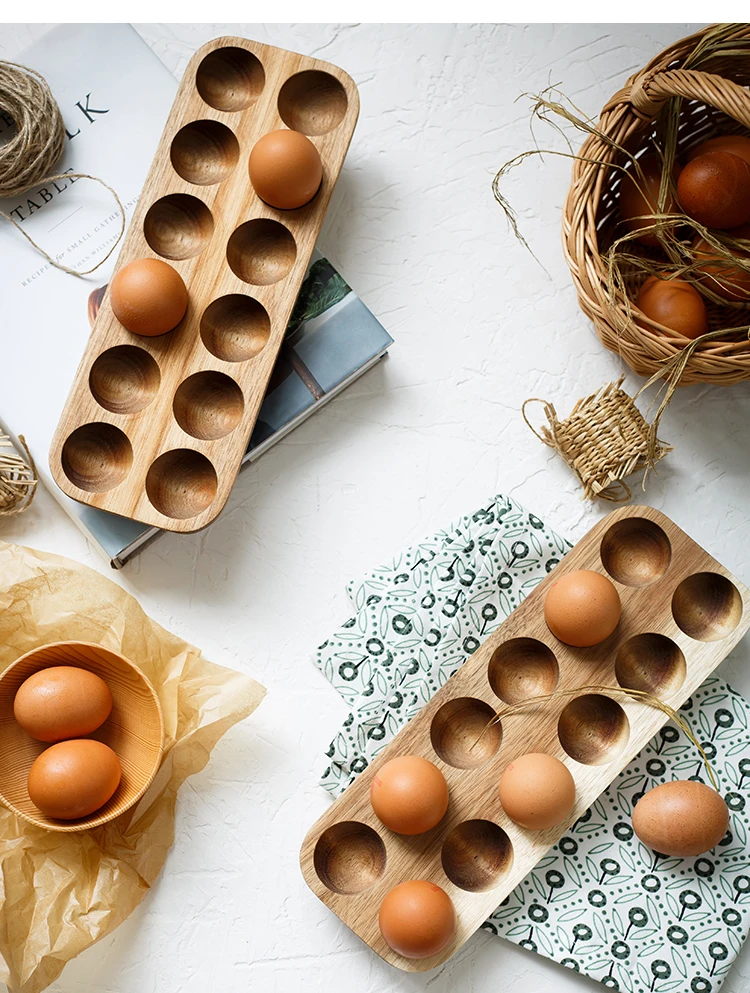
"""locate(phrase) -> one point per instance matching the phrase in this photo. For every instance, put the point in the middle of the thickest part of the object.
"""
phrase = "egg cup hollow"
(97, 457)
(476, 855)
(636, 552)
(181, 483)
(134, 730)
(349, 857)
(230, 79)
(312, 102)
(463, 735)
(124, 379)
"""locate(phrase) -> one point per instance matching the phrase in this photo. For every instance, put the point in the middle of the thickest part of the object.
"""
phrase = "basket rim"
(647, 347)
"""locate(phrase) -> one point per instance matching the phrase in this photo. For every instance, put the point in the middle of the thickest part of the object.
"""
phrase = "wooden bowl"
(134, 730)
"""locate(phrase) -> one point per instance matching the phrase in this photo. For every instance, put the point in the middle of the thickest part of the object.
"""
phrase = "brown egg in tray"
(682, 612)
(155, 427)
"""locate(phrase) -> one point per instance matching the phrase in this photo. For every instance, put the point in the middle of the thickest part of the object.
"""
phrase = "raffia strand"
(18, 480)
(603, 440)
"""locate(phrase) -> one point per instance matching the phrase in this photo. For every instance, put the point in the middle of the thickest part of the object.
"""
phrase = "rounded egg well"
(178, 226)
(476, 855)
(261, 251)
(230, 79)
(96, 457)
(235, 328)
(593, 729)
(462, 735)
(349, 857)
(208, 405)
(312, 102)
(181, 483)
(124, 379)
(522, 668)
(707, 606)
(651, 663)
(635, 551)
(204, 152)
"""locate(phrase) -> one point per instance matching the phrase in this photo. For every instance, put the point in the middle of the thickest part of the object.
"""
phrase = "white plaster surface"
(429, 434)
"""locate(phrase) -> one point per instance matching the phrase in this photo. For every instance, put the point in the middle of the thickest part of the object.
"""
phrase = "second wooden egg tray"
(682, 613)
(155, 428)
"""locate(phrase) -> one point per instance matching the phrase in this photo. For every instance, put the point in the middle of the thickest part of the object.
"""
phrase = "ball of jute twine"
(18, 480)
(32, 153)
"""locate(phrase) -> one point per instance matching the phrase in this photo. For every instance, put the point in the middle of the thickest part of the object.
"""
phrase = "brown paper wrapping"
(59, 893)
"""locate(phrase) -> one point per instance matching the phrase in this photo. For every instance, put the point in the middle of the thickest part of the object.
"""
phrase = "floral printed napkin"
(600, 903)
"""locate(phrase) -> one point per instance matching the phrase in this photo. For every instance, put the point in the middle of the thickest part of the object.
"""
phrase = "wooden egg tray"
(155, 428)
(682, 613)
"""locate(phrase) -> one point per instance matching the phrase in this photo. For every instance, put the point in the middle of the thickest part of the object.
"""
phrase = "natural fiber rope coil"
(18, 480)
(27, 159)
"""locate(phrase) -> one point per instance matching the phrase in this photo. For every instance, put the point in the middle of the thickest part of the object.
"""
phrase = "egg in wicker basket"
(710, 72)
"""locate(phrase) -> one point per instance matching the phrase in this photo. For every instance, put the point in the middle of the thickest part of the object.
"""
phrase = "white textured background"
(427, 435)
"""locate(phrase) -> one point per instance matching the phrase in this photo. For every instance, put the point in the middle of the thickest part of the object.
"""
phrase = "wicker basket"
(715, 101)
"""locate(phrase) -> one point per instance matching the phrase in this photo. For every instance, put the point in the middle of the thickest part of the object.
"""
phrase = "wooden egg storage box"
(155, 428)
(682, 613)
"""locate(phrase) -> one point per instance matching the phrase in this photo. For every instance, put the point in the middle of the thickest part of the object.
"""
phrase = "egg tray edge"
(420, 856)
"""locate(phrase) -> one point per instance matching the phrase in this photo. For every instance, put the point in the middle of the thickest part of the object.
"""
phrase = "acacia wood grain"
(476, 853)
(123, 436)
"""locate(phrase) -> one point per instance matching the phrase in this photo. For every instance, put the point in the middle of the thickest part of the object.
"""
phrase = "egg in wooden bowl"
(132, 731)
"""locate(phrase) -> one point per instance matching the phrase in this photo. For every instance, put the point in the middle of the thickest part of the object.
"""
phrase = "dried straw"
(604, 439)
(36, 147)
(688, 93)
(640, 695)
(18, 480)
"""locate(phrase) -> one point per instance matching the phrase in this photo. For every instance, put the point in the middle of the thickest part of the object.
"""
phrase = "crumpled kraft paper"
(59, 893)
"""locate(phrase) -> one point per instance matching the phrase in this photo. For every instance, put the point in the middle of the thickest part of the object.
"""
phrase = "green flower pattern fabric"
(600, 902)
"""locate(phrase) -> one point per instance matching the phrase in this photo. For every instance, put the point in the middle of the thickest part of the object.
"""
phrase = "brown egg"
(409, 794)
(74, 778)
(674, 303)
(417, 919)
(639, 197)
(682, 818)
(537, 791)
(582, 608)
(737, 144)
(714, 189)
(726, 280)
(148, 297)
(62, 702)
(285, 169)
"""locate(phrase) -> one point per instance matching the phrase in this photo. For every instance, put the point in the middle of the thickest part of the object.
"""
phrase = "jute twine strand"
(36, 147)
(18, 480)
(639, 695)
(605, 439)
